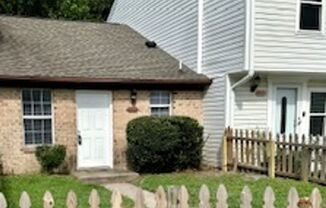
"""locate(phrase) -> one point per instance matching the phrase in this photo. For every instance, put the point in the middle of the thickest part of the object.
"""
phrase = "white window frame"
(322, 18)
(316, 90)
(37, 117)
(161, 105)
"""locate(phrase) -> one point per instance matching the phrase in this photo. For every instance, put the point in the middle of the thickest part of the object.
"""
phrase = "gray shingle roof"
(54, 49)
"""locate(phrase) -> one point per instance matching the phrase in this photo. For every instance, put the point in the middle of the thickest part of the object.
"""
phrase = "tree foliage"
(94, 10)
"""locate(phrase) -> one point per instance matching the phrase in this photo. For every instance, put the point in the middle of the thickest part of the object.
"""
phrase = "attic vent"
(150, 44)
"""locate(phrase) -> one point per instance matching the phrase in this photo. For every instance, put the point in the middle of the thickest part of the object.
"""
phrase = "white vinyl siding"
(172, 24)
(250, 111)
(278, 44)
(223, 52)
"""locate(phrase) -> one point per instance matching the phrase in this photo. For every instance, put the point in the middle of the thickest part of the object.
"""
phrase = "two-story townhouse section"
(267, 59)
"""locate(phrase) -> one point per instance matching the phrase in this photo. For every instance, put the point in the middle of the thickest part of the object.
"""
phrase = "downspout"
(249, 44)
(200, 36)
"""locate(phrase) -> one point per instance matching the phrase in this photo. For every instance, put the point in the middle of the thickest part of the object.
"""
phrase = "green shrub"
(164, 144)
(50, 157)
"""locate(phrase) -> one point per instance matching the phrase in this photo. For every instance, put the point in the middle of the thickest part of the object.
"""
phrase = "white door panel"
(94, 128)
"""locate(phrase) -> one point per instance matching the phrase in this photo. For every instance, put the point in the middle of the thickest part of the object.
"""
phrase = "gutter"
(249, 44)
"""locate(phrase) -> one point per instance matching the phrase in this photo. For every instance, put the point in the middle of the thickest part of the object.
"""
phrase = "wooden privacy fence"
(289, 156)
(177, 197)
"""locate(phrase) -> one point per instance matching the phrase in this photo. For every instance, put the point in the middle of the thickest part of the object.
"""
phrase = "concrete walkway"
(130, 190)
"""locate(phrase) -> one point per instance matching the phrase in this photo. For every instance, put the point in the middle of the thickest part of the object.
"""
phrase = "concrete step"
(104, 176)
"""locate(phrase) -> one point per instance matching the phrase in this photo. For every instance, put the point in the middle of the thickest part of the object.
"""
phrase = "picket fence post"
(246, 198)
(48, 201)
(71, 201)
(315, 198)
(116, 199)
(94, 200)
(3, 202)
(225, 151)
(160, 198)
(269, 198)
(293, 198)
(272, 154)
(25, 201)
(222, 197)
(204, 197)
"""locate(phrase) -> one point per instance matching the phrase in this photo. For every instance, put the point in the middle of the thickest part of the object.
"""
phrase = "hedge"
(164, 144)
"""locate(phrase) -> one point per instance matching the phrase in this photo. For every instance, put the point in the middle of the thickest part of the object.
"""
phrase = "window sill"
(310, 33)
(29, 149)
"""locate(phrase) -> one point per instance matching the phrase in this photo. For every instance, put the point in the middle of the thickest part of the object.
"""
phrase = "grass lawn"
(234, 184)
(59, 186)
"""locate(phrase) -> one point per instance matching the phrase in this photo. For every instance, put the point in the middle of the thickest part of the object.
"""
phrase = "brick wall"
(18, 159)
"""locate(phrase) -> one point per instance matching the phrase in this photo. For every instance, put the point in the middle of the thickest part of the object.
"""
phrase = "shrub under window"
(164, 144)
(50, 157)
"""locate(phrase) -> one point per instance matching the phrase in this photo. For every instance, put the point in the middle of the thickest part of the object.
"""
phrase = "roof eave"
(77, 82)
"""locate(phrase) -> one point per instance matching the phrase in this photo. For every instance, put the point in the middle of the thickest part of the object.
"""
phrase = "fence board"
(160, 198)
(48, 201)
(246, 198)
(204, 197)
(25, 201)
(315, 198)
(3, 202)
(94, 200)
(183, 197)
(293, 198)
(116, 199)
(222, 197)
(71, 201)
(269, 198)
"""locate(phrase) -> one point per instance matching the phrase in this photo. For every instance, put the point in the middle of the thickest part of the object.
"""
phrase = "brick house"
(79, 84)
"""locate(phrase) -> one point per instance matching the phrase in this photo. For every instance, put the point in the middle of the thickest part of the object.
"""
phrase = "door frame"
(273, 86)
(110, 136)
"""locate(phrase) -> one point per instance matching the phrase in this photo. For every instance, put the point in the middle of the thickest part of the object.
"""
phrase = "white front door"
(94, 129)
(286, 111)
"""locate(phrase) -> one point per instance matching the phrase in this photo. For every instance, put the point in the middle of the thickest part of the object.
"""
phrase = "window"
(160, 103)
(37, 116)
(311, 14)
(317, 113)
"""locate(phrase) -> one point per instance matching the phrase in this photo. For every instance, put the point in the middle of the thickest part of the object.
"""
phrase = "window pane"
(36, 95)
(29, 138)
(27, 95)
(28, 124)
(47, 138)
(155, 98)
(37, 109)
(27, 109)
(165, 98)
(47, 125)
(160, 98)
(310, 17)
(47, 109)
(160, 111)
(317, 125)
(38, 138)
(318, 102)
(47, 96)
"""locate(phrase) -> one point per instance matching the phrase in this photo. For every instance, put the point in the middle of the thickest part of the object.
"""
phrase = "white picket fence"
(177, 197)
